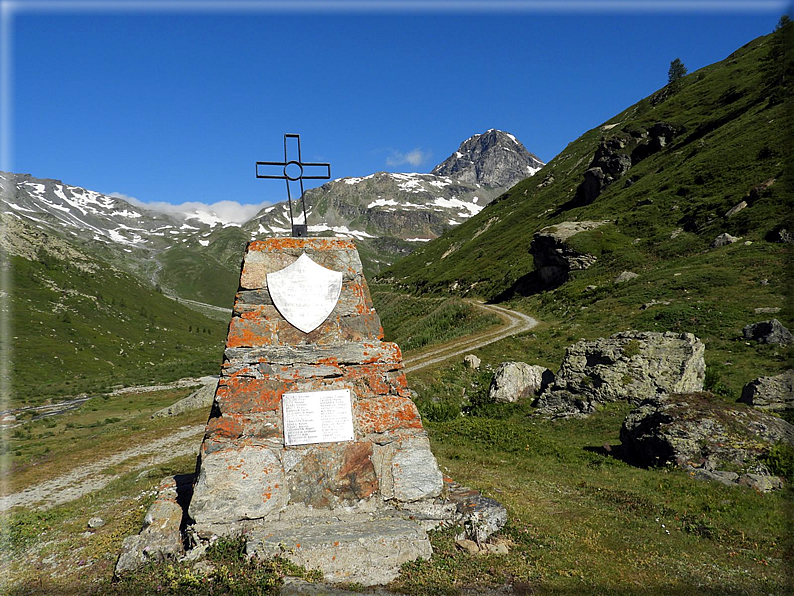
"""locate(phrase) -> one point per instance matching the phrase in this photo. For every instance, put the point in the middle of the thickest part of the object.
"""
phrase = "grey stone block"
(367, 551)
(238, 484)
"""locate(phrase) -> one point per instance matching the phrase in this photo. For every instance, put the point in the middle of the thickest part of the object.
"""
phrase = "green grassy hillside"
(731, 145)
(205, 273)
(80, 325)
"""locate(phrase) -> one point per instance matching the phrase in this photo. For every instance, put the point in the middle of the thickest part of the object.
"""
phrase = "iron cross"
(293, 171)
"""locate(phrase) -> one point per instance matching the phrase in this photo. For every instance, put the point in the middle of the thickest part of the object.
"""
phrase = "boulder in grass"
(628, 366)
(768, 332)
(775, 394)
(711, 439)
(514, 381)
(625, 276)
(471, 361)
(723, 240)
(200, 399)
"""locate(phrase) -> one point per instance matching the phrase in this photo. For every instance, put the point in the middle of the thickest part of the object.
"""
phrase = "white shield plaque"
(305, 293)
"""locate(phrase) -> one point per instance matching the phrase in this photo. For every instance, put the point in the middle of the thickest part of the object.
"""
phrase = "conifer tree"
(676, 72)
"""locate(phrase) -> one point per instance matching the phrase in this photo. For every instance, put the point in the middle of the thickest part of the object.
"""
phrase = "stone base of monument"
(314, 449)
(365, 549)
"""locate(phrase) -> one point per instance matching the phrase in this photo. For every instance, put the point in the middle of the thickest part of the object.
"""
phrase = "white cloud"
(226, 211)
(415, 157)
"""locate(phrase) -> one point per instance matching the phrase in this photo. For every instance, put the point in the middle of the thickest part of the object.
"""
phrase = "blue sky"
(168, 103)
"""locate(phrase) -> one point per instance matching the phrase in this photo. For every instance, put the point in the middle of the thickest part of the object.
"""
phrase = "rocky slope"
(663, 171)
(494, 158)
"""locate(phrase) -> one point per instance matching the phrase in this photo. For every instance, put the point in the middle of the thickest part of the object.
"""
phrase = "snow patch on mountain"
(353, 179)
(454, 203)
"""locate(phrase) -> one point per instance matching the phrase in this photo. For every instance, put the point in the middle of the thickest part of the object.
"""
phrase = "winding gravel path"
(93, 476)
(515, 323)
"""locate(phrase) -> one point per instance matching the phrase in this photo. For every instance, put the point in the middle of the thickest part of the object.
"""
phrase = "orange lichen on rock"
(250, 332)
(279, 244)
(244, 394)
(387, 413)
(224, 427)
(371, 376)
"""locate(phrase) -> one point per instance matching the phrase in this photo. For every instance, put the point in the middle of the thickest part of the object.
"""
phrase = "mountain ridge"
(196, 254)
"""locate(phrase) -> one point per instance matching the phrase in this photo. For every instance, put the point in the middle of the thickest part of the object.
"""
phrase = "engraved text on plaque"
(317, 417)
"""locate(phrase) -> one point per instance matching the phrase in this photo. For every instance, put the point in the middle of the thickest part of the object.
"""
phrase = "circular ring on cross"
(293, 173)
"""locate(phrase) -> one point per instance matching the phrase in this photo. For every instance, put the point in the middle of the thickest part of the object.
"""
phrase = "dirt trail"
(93, 476)
(515, 322)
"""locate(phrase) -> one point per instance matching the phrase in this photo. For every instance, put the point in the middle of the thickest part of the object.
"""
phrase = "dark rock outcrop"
(774, 394)
(615, 156)
(780, 235)
(712, 440)
(630, 366)
(554, 258)
(593, 185)
(658, 137)
(768, 332)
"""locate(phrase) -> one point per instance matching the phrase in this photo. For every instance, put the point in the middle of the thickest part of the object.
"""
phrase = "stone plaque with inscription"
(317, 417)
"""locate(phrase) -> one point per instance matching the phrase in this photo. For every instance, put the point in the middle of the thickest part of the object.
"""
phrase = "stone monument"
(313, 449)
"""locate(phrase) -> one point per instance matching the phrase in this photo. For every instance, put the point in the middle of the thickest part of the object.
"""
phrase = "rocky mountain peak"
(493, 158)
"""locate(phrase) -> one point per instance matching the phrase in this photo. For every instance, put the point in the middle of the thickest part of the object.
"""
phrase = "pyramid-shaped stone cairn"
(351, 487)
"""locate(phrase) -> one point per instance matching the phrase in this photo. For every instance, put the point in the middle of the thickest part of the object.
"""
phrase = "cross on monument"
(294, 171)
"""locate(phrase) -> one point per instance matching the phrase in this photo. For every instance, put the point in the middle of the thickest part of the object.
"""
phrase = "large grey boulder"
(768, 332)
(514, 381)
(631, 366)
(711, 439)
(774, 394)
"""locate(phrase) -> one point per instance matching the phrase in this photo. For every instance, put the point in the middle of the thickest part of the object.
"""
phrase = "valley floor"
(581, 520)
